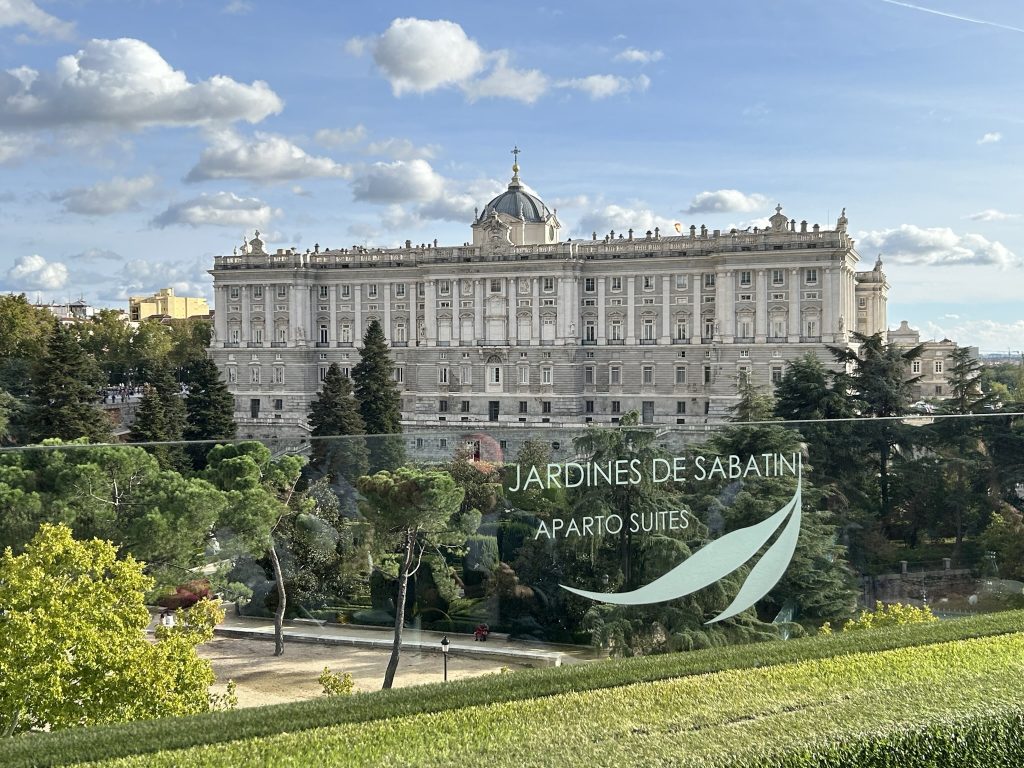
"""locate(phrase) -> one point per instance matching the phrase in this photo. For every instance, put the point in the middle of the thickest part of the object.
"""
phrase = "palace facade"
(522, 327)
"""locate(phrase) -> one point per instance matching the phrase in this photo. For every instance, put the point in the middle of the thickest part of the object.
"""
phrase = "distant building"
(71, 312)
(525, 328)
(165, 304)
(933, 363)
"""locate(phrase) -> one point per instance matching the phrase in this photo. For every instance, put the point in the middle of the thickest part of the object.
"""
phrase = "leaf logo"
(720, 558)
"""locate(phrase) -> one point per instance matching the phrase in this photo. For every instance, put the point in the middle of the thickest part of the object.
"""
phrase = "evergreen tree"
(209, 407)
(335, 412)
(65, 387)
(880, 388)
(379, 402)
(963, 376)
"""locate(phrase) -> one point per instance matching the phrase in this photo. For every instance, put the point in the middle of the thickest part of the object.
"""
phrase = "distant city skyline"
(139, 140)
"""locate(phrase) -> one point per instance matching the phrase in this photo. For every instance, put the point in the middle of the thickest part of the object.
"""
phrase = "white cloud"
(400, 149)
(223, 209)
(987, 335)
(936, 246)
(125, 84)
(992, 137)
(420, 56)
(107, 197)
(95, 255)
(264, 158)
(574, 201)
(603, 86)
(139, 276)
(15, 147)
(726, 201)
(398, 182)
(17, 13)
(991, 214)
(458, 201)
(639, 56)
(31, 273)
(336, 137)
(238, 7)
(301, 192)
(505, 82)
(620, 218)
(417, 55)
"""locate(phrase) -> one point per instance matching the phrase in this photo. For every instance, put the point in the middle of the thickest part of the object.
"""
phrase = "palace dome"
(517, 202)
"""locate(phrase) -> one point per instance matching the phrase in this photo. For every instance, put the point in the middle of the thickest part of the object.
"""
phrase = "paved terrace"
(497, 646)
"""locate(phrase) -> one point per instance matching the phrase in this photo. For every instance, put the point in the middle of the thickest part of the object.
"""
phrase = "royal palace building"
(522, 327)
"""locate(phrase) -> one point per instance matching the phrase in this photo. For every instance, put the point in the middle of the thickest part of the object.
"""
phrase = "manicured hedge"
(953, 704)
(103, 742)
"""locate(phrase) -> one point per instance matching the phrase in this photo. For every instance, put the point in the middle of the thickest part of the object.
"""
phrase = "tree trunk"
(403, 583)
(282, 598)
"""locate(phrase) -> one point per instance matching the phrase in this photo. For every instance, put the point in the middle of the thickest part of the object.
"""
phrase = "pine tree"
(335, 412)
(379, 402)
(65, 385)
(209, 407)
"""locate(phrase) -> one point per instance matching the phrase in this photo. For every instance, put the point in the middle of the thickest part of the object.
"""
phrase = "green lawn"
(778, 715)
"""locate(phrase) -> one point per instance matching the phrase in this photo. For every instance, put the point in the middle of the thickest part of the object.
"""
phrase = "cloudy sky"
(139, 138)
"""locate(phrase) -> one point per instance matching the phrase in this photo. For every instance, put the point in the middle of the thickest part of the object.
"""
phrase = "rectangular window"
(588, 375)
(915, 366)
(938, 366)
(322, 291)
(709, 280)
(588, 406)
(323, 373)
(524, 374)
(680, 375)
(616, 283)
(707, 374)
(680, 407)
(282, 291)
(745, 277)
(523, 406)
(862, 303)
(346, 291)
(778, 277)
(681, 282)
(495, 286)
(776, 374)
(371, 291)
(279, 405)
(616, 406)
(648, 375)
(444, 287)
(279, 375)
(464, 406)
(466, 374)
(648, 282)
(548, 284)
(254, 375)
(545, 374)
(257, 291)
(442, 375)
(442, 406)
(545, 406)
(233, 291)
(615, 330)
(588, 284)
(811, 277)
(399, 290)
(590, 331)
(615, 375)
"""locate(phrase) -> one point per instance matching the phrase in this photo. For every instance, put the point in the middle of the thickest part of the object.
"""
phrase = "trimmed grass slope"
(143, 738)
(785, 716)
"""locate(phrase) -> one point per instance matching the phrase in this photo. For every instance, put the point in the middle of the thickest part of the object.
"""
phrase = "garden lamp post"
(444, 654)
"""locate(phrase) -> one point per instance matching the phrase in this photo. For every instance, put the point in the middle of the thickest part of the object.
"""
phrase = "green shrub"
(888, 615)
(335, 684)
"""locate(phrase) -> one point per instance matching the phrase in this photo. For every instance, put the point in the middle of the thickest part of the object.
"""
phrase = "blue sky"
(138, 139)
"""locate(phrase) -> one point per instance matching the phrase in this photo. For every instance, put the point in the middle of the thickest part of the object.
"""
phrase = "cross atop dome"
(515, 168)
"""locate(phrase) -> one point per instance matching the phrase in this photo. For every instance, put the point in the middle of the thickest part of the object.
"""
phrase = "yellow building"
(164, 303)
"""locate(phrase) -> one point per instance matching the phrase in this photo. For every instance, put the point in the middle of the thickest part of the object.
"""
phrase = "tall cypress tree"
(335, 412)
(210, 408)
(161, 418)
(379, 402)
(65, 386)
